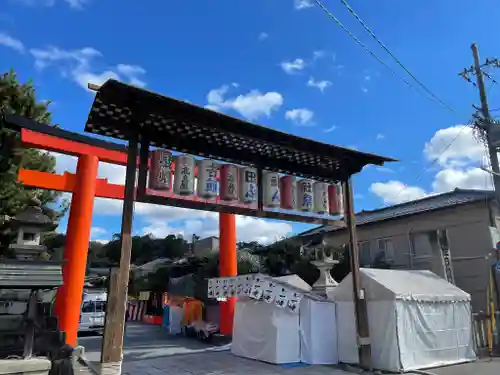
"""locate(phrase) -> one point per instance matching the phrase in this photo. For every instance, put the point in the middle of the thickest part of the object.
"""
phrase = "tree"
(147, 248)
(20, 99)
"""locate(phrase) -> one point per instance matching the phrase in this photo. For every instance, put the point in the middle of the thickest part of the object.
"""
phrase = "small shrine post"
(142, 117)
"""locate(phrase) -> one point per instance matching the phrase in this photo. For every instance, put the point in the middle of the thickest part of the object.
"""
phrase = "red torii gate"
(85, 186)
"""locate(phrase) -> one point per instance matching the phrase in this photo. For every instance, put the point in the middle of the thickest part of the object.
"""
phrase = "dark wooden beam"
(360, 307)
(117, 299)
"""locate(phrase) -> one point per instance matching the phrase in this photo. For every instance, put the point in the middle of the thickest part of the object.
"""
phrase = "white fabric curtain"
(434, 334)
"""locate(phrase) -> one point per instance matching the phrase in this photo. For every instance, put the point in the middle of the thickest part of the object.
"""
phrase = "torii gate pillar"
(228, 267)
(69, 295)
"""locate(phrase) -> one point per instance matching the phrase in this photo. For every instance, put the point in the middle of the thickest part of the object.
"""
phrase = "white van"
(93, 312)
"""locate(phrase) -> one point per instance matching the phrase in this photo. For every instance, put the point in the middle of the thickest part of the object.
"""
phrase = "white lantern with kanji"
(207, 179)
(271, 181)
(248, 185)
(320, 193)
(184, 175)
(160, 173)
(229, 188)
(305, 195)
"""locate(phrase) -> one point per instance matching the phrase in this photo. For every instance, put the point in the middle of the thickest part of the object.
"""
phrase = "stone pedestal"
(32, 366)
(325, 283)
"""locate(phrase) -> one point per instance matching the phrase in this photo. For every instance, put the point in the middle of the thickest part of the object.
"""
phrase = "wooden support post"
(143, 169)
(360, 308)
(112, 347)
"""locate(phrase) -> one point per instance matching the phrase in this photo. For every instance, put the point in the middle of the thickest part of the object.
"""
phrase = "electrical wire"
(430, 94)
(339, 23)
(425, 88)
(330, 14)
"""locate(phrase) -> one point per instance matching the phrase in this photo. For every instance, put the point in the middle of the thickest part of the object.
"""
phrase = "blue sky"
(283, 64)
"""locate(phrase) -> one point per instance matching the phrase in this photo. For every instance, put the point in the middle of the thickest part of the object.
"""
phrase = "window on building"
(27, 236)
(424, 243)
(386, 247)
(365, 257)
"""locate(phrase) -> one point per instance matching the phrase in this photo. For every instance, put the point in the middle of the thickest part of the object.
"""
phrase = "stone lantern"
(30, 225)
(323, 257)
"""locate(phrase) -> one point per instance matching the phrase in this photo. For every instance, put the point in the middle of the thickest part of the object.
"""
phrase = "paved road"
(150, 351)
(481, 367)
(146, 342)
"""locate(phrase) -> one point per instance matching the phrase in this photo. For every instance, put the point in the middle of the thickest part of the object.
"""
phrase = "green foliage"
(20, 99)
(147, 248)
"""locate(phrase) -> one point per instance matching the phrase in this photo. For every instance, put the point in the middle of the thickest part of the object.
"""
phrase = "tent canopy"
(381, 284)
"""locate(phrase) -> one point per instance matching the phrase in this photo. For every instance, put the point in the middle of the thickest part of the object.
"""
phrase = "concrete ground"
(487, 366)
(149, 350)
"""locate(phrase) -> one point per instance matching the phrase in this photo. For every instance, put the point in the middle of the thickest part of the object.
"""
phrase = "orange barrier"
(151, 319)
(193, 311)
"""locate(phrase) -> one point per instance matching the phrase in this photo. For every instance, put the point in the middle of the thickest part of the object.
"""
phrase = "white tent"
(417, 320)
(268, 333)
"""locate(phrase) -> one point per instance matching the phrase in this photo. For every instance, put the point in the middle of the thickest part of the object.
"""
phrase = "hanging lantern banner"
(340, 199)
(288, 192)
(271, 182)
(229, 182)
(207, 179)
(305, 195)
(333, 200)
(248, 185)
(320, 193)
(160, 174)
(184, 175)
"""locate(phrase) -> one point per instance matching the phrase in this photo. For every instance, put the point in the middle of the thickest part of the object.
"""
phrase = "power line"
(365, 26)
(338, 22)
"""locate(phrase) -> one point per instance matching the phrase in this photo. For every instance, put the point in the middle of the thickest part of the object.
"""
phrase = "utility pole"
(486, 123)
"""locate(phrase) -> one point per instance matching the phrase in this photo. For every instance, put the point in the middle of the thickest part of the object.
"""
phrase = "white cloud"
(295, 66)
(97, 234)
(132, 73)
(457, 154)
(10, 42)
(364, 89)
(303, 4)
(247, 229)
(394, 192)
(263, 36)
(73, 4)
(464, 148)
(469, 178)
(252, 105)
(78, 66)
(384, 170)
(44, 3)
(77, 4)
(380, 136)
(300, 116)
(163, 220)
(97, 230)
(330, 129)
(319, 54)
(321, 85)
